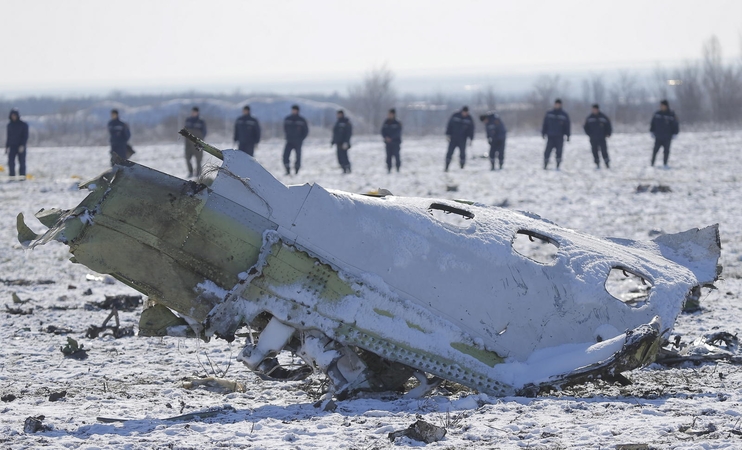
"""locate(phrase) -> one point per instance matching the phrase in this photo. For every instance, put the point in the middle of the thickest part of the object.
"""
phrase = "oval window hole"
(628, 286)
(451, 214)
(535, 246)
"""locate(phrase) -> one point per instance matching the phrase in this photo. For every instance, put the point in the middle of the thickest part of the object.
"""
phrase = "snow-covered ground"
(141, 379)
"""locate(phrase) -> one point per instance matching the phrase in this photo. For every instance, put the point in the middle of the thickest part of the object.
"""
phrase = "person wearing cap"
(391, 131)
(496, 134)
(197, 127)
(119, 137)
(341, 133)
(664, 128)
(598, 128)
(247, 131)
(460, 128)
(296, 129)
(556, 126)
(15, 143)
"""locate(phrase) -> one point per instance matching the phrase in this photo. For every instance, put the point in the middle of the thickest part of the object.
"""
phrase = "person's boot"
(296, 170)
(448, 163)
(546, 164)
(288, 170)
(500, 165)
(559, 163)
(607, 164)
(492, 165)
(461, 163)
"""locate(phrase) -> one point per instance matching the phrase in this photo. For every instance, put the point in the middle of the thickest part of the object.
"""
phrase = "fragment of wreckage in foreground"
(374, 290)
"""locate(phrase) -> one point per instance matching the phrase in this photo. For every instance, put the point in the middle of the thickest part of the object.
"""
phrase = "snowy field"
(142, 379)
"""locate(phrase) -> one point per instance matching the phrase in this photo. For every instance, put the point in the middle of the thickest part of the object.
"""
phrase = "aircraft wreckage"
(375, 290)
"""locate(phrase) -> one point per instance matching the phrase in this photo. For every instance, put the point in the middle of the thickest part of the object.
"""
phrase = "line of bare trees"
(705, 93)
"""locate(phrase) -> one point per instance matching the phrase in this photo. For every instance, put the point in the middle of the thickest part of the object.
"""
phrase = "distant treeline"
(704, 93)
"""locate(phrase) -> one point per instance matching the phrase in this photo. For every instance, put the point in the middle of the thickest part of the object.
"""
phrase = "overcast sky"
(87, 44)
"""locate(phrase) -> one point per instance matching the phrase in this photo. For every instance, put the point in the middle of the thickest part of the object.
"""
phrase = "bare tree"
(594, 90)
(713, 76)
(689, 92)
(372, 98)
(487, 98)
(546, 89)
(627, 97)
(661, 88)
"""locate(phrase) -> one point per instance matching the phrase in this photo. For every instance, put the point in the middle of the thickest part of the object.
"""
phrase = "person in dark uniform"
(391, 131)
(664, 128)
(15, 143)
(197, 127)
(556, 126)
(247, 132)
(496, 134)
(341, 134)
(598, 128)
(296, 129)
(460, 127)
(120, 134)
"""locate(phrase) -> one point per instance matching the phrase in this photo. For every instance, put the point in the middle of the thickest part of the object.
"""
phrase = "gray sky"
(84, 45)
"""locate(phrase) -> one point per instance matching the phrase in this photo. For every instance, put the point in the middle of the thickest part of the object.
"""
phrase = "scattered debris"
(17, 300)
(35, 424)
(88, 291)
(632, 447)
(107, 279)
(56, 330)
(18, 311)
(327, 405)
(73, 350)
(503, 204)
(8, 398)
(213, 384)
(23, 282)
(708, 348)
(121, 302)
(659, 188)
(452, 188)
(117, 331)
(420, 431)
(55, 396)
(71, 286)
(185, 417)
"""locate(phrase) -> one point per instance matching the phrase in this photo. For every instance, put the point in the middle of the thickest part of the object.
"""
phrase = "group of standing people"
(664, 127)
(555, 129)
(296, 130)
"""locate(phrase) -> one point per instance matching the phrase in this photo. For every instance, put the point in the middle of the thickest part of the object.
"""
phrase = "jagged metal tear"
(385, 287)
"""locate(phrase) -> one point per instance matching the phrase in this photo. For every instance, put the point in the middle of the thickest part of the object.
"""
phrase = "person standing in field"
(664, 128)
(247, 132)
(15, 143)
(598, 128)
(496, 134)
(341, 133)
(460, 128)
(556, 126)
(119, 137)
(197, 127)
(296, 129)
(391, 131)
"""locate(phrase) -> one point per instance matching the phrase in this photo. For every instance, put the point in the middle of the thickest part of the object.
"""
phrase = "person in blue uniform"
(555, 127)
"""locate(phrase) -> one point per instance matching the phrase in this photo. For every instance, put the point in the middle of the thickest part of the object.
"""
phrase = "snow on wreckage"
(373, 290)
